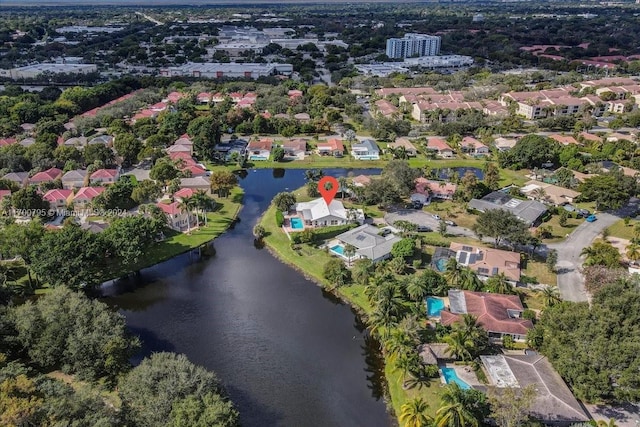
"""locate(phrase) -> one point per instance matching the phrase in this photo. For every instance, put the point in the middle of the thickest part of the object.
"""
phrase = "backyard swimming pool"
(450, 376)
(338, 249)
(441, 265)
(434, 306)
(297, 223)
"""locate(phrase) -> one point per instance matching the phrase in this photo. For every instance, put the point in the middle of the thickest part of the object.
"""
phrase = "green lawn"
(454, 211)
(560, 233)
(622, 231)
(540, 271)
(177, 243)
(431, 394)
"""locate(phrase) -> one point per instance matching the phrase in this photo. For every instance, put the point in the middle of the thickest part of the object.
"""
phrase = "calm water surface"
(288, 354)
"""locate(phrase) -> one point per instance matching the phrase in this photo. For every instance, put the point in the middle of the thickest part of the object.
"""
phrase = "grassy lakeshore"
(176, 243)
(310, 261)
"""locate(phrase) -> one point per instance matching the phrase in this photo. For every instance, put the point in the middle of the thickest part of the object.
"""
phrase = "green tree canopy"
(501, 225)
(532, 151)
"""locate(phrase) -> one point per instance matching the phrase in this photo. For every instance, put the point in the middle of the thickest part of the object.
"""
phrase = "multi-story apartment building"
(413, 45)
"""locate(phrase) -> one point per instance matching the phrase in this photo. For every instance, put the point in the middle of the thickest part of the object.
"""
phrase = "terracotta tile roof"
(57, 194)
(426, 186)
(104, 173)
(469, 141)
(184, 155)
(361, 180)
(88, 193)
(331, 144)
(48, 175)
(4, 193)
(491, 312)
(564, 139)
(184, 193)
(171, 208)
(7, 141)
(261, 144)
(492, 260)
(435, 143)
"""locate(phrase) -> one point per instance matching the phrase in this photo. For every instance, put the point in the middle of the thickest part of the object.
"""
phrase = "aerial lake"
(288, 353)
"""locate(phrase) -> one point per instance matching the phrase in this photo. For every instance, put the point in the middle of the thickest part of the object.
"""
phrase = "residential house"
(435, 189)
(204, 97)
(102, 139)
(20, 178)
(183, 193)
(104, 176)
(84, 196)
(74, 179)
(564, 139)
(317, 213)
(27, 142)
(440, 147)
(386, 108)
(549, 193)
(528, 211)
(302, 117)
(553, 404)
(94, 226)
(474, 147)
(46, 176)
(366, 149)
(294, 94)
(7, 141)
(409, 148)
(368, 241)
(499, 315)
(361, 180)
(178, 218)
(260, 149)
(295, 148)
(198, 183)
(78, 141)
(177, 148)
(58, 198)
(194, 170)
(487, 262)
(504, 144)
(433, 353)
(330, 147)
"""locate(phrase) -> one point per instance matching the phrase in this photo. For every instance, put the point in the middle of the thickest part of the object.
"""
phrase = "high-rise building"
(413, 45)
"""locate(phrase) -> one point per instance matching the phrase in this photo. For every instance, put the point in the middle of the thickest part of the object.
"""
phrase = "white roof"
(318, 209)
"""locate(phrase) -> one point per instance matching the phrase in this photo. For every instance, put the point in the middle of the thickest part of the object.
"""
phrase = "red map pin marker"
(328, 194)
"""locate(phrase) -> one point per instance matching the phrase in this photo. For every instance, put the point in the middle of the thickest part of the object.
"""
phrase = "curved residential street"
(570, 280)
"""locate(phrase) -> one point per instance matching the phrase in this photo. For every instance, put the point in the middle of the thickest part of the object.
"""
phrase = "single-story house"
(46, 176)
(177, 218)
(20, 178)
(505, 144)
(317, 213)
(179, 148)
(198, 183)
(553, 404)
(102, 139)
(368, 242)
(409, 148)
(27, 142)
(474, 147)
(295, 148)
(367, 149)
(564, 139)
(194, 170)
(302, 117)
(361, 180)
(499, 315)
(77, 141)
(94, 226)
(227, 148)
(58, 198)
(260, 149)
(104, 176)
(84, 196)
(433, 353)
(440, 146)
(204, 97)
(528, 211)
(74, 178)
(331, 147)
(435, 189)
(537, 190)
(4, 193)
(386, 108)
(487, 262)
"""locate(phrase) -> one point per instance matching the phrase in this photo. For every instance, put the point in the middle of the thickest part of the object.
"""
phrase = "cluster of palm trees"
(460, 408)
(199, 204)
(467, 338)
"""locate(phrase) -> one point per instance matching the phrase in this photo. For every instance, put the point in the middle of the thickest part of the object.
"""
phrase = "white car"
(434, 216)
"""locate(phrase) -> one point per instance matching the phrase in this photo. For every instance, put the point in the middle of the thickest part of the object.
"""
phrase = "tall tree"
(500, 225)
(222, 182)
(454, 412)
(510, 406)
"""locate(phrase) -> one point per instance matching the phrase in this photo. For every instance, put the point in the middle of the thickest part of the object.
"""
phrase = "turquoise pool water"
(297, 223)
(434, 306)
(338, 249)
(441, 265)
(450, 376)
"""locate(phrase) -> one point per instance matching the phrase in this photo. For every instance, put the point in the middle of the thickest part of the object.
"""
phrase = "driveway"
(422, 218)
(570, 280)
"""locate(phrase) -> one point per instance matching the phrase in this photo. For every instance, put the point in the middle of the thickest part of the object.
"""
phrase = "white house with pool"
(370, 242)
(317, 213)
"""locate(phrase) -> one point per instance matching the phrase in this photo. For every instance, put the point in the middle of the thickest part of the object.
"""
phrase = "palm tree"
(417, 289)
(259, 232)
(408, 363)
(499, 284)
(453, 273)
(604, 423)
(362, 271)
(551, 296)
(343, 184)
(185, 205)
(380, 325)
(460, 346)
(633, 252)
(413, 413)
(203, 203)
(454, 413)
(469, 280)
(349, 252)
(397, 344)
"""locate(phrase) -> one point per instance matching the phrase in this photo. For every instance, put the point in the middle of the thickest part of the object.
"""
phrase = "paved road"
(570, 280)
(422, 218)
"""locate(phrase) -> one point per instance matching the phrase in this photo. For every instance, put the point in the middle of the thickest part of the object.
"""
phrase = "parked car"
(384, 232)
(434, 216)
(424, 229)
(451, 223)
(591, 218)
(585, 213)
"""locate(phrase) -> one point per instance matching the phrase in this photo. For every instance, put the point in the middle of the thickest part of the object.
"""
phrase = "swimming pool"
(441, 265)
(338, 249)
(450, 376)
(297, 223)
(434, 306)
